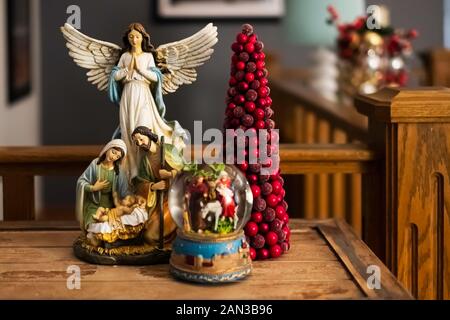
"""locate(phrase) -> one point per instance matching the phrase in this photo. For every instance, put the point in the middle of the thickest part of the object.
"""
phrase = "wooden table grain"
(326, 261)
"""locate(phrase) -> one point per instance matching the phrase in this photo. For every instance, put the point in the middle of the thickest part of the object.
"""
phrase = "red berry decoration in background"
(249, 108)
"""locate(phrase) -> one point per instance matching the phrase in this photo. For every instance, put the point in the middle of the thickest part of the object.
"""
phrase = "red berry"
(247, 120)
(243, 56)
(238, 112)
(254, 84)
(256, 191)
(251, 229)
(252, 179)
(237, 47)
(263, 227)
(269, 215)
(249, 77)
(251, 95)
(259, 114)
(272, 200)
(275, 251)
(259, 74)
(239, 75)
(234, 122)
(252, 38)
(258, 241)
(251, 67)
(268, 111)
(250, 106)
(232, 81)
(263, 92)
(241, 38)
(281, 234)
(284, 246)
(234, 59)
(270, 124)
(286, 218)
(257, 217)
(247, 29)
(231, 106)
(240, 65)
(266, 188)
(276, 225)
(243, 166)
(280, 212)
(260, 124)
(276, 186)
(261, 102)
(284, 204)
(232, 91)
(271, 238)
(243, 86)
(264, 82)
(254, 167)
(262, 55)
(250, 47)
(255, 56)
(263, 254)
(239, 99)
(259, 204)
(287, 231)
(259, 46)
(260, 64)
(252, 253)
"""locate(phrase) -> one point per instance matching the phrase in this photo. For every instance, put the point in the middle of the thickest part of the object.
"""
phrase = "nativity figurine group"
(121, 196)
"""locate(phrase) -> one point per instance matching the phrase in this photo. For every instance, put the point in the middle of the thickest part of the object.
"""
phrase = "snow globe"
(211, 205)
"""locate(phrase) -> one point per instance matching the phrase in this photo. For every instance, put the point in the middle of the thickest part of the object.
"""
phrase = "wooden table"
(326, 261)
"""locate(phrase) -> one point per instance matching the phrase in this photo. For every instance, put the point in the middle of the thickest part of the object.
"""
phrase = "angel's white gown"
(138, 107)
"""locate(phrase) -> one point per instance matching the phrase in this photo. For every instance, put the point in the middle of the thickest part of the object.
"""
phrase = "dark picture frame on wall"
(220, 9)
(19, 49)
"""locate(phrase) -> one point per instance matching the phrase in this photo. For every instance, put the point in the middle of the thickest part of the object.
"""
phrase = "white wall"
(24, 114)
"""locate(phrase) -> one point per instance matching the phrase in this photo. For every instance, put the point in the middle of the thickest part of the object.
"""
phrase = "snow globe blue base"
(210, 204)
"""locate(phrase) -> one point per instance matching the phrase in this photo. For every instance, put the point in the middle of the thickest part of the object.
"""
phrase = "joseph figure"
(153, 178)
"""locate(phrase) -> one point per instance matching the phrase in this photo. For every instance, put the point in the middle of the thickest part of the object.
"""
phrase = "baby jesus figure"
(125, 206)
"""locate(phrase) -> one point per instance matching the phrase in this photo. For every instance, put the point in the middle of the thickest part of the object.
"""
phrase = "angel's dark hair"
(145, 132)
(117, 162)
(146, 43)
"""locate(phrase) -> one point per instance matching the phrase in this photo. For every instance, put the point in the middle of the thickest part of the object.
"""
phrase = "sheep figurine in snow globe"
(210, 204)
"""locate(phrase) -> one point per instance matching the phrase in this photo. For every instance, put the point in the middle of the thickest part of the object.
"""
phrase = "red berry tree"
(249, 108)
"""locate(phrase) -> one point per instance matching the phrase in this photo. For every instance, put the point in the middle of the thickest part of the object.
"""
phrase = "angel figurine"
(138, 75)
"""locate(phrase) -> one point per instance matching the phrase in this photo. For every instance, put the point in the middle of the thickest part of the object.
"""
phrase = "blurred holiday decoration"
(304, 26)
(210, 204)
(371, 52)
(249, 109)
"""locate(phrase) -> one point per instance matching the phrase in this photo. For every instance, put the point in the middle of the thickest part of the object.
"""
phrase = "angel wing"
(97, 56)
(178, 60)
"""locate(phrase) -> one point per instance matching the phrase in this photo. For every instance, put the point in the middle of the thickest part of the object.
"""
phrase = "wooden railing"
(305, 117)
(19, 166)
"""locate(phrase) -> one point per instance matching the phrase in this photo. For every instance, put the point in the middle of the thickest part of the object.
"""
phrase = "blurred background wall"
(65, 109)
(20, 122)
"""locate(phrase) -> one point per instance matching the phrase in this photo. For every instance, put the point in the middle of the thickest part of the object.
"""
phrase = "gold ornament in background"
(372, 39)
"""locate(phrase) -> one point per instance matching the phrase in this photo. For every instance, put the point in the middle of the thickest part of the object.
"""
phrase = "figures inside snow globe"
(216, 199)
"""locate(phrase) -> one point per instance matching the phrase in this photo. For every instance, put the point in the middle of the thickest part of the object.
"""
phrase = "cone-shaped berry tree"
(249, 109)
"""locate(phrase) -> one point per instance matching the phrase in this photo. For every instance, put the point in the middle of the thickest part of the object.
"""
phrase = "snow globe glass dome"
(210, 203)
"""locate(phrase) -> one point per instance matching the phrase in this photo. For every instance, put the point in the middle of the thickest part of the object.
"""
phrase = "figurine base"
(210, 260)
(132, 255)
(210, 278)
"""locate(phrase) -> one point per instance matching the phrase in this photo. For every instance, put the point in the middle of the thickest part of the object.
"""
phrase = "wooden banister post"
(410, 212)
